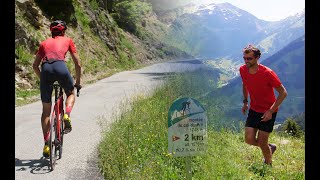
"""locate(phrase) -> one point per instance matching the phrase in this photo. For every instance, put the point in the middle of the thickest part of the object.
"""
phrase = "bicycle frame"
(56, 125)
(58, 109)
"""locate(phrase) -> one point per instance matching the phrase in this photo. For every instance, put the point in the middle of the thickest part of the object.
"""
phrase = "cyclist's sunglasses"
(248, 58)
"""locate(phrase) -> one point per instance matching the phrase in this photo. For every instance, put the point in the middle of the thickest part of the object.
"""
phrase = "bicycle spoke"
(61, 135)
(52, 144)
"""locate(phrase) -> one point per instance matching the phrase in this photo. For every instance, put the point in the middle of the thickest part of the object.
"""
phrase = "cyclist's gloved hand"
(78, 86)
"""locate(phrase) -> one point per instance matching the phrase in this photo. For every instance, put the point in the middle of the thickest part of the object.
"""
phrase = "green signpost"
(187, 130)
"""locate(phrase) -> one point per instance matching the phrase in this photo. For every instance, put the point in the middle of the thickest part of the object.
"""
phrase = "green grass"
(135, 145)
(25, 58)
(94, 4)
(83, 18)
(24, 97)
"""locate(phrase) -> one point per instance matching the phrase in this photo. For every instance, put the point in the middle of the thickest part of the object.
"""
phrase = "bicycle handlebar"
(78, 89)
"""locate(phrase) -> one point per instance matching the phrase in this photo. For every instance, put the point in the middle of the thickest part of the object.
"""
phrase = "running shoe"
(273, 148)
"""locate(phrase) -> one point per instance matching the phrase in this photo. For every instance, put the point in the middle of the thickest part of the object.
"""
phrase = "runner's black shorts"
(254, 121)
(54, 71)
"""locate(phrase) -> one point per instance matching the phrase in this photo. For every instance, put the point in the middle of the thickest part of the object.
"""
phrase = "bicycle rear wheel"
(52, 142)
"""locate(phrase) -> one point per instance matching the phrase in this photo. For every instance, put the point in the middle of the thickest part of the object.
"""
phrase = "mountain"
(217, 30)
(289, 64)
(281, 32)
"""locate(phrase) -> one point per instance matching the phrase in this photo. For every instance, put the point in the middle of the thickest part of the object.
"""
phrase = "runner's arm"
(245, 96)
(244, 92)
(36, 64)
(282, 95)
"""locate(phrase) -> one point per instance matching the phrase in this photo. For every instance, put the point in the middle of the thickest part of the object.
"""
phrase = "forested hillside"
(110, 36)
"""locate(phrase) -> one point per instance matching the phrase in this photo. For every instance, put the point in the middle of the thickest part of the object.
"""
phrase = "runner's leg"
(250, 136)
(264, 146)
(263, 135)
(251, 128)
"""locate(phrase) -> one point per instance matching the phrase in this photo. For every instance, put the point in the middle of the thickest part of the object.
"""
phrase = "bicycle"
(57, 125)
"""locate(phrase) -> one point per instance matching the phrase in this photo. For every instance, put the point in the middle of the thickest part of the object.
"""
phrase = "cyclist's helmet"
(58, 26)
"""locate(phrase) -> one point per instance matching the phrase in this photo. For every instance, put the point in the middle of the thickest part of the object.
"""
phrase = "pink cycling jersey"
(56, 48)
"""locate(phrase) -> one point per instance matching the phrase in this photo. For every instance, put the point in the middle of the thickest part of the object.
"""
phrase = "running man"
(259, 82)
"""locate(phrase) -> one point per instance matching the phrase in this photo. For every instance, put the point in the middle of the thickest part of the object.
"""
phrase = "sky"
(269, 10)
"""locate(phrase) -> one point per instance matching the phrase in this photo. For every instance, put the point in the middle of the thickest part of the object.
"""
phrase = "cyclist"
(51, 55)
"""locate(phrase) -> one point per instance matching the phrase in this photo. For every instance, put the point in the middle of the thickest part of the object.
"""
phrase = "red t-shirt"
(260, 87)
(56, 48)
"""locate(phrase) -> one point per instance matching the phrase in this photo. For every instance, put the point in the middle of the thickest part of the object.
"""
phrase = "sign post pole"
(188, 167)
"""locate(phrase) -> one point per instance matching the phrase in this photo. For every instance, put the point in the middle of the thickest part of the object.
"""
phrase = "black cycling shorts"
(54, 71)
(254, 121)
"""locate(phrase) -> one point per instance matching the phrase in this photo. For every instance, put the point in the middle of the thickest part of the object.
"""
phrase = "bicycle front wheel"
(61, 134)
(52, 141)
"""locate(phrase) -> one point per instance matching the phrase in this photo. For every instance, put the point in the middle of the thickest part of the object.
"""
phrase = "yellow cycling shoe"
(46, 151)
(67, 124)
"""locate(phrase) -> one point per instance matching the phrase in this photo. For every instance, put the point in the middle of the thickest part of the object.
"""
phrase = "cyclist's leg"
(46, 93)
(45, 120)
(66, 81)
(70, 102)
(45, 123)
(66, 116)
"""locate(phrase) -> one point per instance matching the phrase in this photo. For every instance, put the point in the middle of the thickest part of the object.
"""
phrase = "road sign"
(187, 128)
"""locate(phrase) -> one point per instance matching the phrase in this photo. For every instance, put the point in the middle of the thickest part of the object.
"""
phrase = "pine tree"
(292, 128)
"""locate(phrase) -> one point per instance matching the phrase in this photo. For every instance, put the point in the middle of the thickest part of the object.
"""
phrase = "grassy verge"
(24, 97)
(135, 146)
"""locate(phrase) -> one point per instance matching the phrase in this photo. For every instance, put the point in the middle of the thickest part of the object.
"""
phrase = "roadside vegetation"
(135, 145)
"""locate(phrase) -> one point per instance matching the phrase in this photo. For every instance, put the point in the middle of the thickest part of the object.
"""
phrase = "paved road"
(91, 114)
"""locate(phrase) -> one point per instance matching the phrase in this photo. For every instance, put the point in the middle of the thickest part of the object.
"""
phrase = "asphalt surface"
(91, 115)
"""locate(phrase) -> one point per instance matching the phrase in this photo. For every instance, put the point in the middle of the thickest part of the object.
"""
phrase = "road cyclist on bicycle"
(51, 56)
